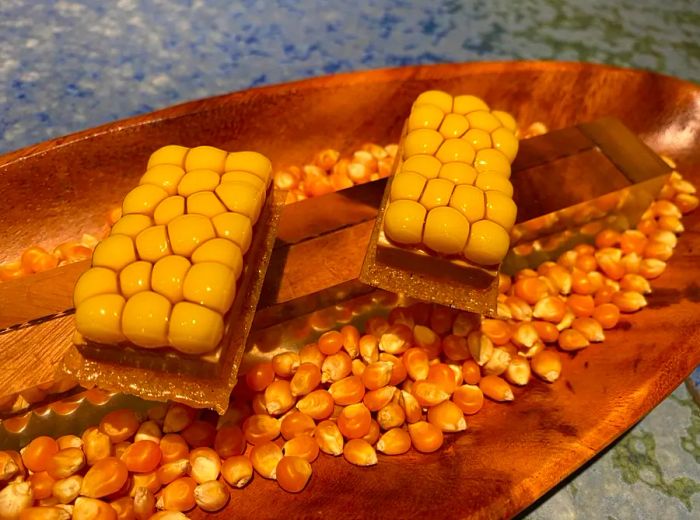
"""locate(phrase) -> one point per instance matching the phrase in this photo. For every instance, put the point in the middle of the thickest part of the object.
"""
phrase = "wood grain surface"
(511, 454)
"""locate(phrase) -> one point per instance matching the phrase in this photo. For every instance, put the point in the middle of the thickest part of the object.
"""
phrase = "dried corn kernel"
(265, 458)
(237, 471)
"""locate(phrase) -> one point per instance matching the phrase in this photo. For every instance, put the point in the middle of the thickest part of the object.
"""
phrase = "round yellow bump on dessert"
(403, 221)
(94, 281)
(168, 277)
(492, 160)
(469, 201)
(458, 173)
(483, 120)
(135, 278)
(455, 150)
(131, 225)
(437, 192)
(234, 227)
(407, 186)
(143, 199)
(205, 203)
(454, 125)
(99, 318)
(205, 158)
(241, 197)
(478, 138)
(145, 319)
(152, 243)
(427, 165)
(438, 98)
(198, 180)
(114, 252)
(488, 243)
(446, 230)
(506, 119)
(505, 141)
(195, 329)
(170, 154)
(210, 284)
(494, 181)
(187, 232)
(253, 162)
(222, 251)
(243, 176)
(421, 141)
(466, 104)
(500, 209)
(426, 116)
(167, 176)
(170, 208)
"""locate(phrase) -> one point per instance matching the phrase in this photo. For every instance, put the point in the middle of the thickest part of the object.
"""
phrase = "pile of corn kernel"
(404, 382)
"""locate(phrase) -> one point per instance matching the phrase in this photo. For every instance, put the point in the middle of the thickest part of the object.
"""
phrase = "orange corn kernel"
(348, 390)
(673, 224)
(584, 249)
(426, 339)
(107, 476)
(464, 323)
(518, 371)
(369, 348)
(354, 421)
(260, 376)
(469, 398)
(657, 250)
(525, 335)
(442, 375)
(330, 342)
(633, 241)
(686, 202)
(286, 363)
(571, 339)
(258, 403)
(607, 315)
(547, 365)
(72, 252)
(173, 470)
(496, 388)
(647, 225)
(581, 305)
(417, 363)
(296, 423)
(376, 326)
(504, 283)
(199, 433)
(229, 441)
(67, 489)
(42, 484)
(96, 445)
(441, 319)
(120, 448)
(398, 370)
(148, 480)
(93, 509)
(358, 367)
(304, 446)
(581, 284)
(44, 513)
(480, 347)
(375, 400)
(37, 454)
(13, 271)
(519, 309)
(65, 463)
(425, 437)
(396, 339)
(36, 259)
(530, 289)
(603, 295)
(651, 268)
(607, 238)
(205, 465)
(278, 397)
(401, 315)
(560, 278)
(471, 372)
(498, 331)
(178, 495)
(455, 348)
(373, 434)
(120, 425)
(173, 447)
(329, 438)
(591, 329)
(237, 470)
(391, 416)
(629, 301)
(377, 374)
(142, 456)
(8, 467)
(586, 262)
(124, 507)
(318, 404)
(293, 473)
(551, 308)
(546, 331)
(148, 431)
(428, 393)
(258, 429)
(335, 367)
(265, 458)
(211, 496)
(305, 379)
(396, 441)
(169, 515)
(635, 282)
(69, 441)
(359, 453)
(351, 340)
(448, 417)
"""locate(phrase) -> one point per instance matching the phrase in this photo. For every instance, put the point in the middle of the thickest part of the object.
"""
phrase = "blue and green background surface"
(67, 65)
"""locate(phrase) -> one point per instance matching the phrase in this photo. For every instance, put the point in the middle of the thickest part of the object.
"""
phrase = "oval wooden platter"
(512, 453)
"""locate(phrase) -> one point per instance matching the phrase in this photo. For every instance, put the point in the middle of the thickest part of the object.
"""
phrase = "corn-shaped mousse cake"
(168, 272)
(451, 193)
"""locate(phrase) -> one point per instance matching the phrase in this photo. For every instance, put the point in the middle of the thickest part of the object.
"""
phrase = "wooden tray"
(511, 454)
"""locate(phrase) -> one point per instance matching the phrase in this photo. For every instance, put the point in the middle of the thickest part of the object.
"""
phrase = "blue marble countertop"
(67, 65)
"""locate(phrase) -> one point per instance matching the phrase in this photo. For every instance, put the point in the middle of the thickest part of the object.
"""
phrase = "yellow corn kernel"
(403, 221)
(114, 252)
(168, 209)
(195, 329)
(505, 142)
(197, 180)
(253, 162)
(143, 199)
(422, 141)
(187, 232)
(205, 157)
(210, 284)
(131, 225)
(234, 227)
(469, 201)
(425, 116)
(247, 177)
(465, 104)
(168, 277)
(455, 150)
(438, 98)
(145, 319)
(483, 120)
(152, 243)
(98, 318)
(170, 154)
(490, 159)
(166, 176)
(453, 126)
(94, 281)
(500, 209)
(495, 182)
(222, 251)
(427, 165)
(446, 230)
(134, 278)
(437, 193)
(241, 197)
(488, 243)
(458, 173)
(478, 138)
(205, 203)
(407, 186)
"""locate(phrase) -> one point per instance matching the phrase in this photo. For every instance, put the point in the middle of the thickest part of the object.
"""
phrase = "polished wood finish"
(511, 454)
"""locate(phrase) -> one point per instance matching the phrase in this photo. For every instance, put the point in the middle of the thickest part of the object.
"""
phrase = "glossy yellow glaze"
(243, 176)
(422, 141)
(169, 209)
(492, 160)
(220, 250)
(407, 186)
(194, 329)
(94, 281)
(198, 180)
(478, 138)
(403, 221)
(494, 181)
(145, 319)
(114, 252)
(211, 284)
(99, 318)
(134, 278)
(437, 193)
(205, 203)
(152, 243)
(168, 276)
(500, 209)
(205, 158)
(427, 165)
(467, 103)
(186, 232)
(488, 243)
(455, 150)
(425, 116)
(143, 199)
(170, 154)
(505, 142)
(234, 227)
(506, 119)
(438, 98)
(167, 176)
(458, 173)
(483, 120)
(469, 201)
(241, 197)
(253, 162)
(446, 230)
(131, 225)
(454, 125)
